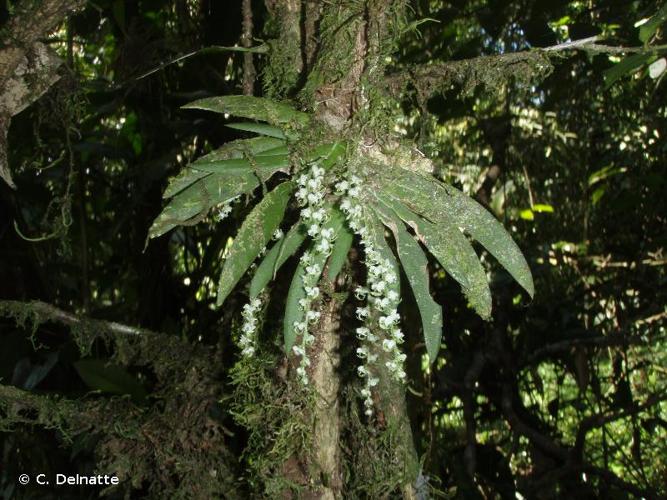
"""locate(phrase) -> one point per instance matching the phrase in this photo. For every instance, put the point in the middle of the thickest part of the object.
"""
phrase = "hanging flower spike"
(382, 300)
(311, 195)
(249, 328)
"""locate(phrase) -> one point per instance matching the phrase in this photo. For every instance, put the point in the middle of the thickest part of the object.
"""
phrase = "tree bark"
(27, 66)
(327, 421)
(340, 44)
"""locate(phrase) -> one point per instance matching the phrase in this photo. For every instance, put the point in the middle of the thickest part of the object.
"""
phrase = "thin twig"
(249, 73)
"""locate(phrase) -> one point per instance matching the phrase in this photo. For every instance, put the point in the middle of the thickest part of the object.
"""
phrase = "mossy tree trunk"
(329, 56)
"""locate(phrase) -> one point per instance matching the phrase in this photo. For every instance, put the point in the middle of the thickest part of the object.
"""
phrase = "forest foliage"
(517, 191)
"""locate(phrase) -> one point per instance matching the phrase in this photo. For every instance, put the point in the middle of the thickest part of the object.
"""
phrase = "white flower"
(312, 316)
(397, 335)
(314, 198)
(300, 326)
(278, 233)
(362, 332)
(383, 303)
(323, 246)
(361, 370)
(342, 186)
(312, 291)
(392, 295)
(319, 214)
(313, 270)
(394, 317)
(313, 230)
(388, 345)
(373, 381)
(224, 211)
(362, 312)
(298, 350)
(301, 193)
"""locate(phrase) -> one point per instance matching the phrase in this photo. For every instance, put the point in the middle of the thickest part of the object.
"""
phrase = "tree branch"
(599, 420)
(27, 66)
(16, 309)
(430, 79)
(469, 380)
(565, 345)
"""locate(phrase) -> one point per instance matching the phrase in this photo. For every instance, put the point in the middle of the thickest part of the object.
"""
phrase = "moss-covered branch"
(492, 71)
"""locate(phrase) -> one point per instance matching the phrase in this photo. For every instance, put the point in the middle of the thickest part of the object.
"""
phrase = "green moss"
(277, 415)
(377, 464)
(489, 73)
(173, 446)
(281, 76)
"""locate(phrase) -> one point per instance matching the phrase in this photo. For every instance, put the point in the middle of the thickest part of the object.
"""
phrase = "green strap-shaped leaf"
(454, 253)
(339, 253)
(199, 198)
(415, 265)
(294, 313)
(254, 234)
(626, 66)
(186, 177)
(441, 203)
(483, 227)
(259, 128)
(278, 150)
(98, 374)
(328, 154)
(240, 148)
(233, 166)
(233, 149)
(648, 29)
(276, 257)
(255, 108)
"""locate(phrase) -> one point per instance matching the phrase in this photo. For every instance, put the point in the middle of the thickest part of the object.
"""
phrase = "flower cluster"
(249, 327)
(222, 210)
(311, 195)
(382, 297)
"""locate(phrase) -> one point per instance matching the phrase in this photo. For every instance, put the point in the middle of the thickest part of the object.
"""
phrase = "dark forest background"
(564, 396)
